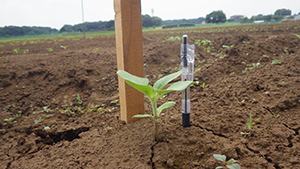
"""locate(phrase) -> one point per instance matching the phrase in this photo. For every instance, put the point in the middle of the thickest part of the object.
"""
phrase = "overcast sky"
(56, 13)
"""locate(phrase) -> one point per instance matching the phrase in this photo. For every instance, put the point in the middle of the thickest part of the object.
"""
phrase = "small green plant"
(50, 49)
(276, 62)
(254, 101)
(230, 164)
(250, 125)
(275, 116)
(64, 47)
(9, 119)
(203, 85)
(67, 111)
(46, 109)
(108, 128)
(208, 48)
(25, 51)
(298, 36)
(16, 50)
(228, 47)
(202, 42)
(266, 93)
(155, 92)
(38, 121)
(172, 38)
(8, 107)
(47, 128)
(1, 52)
(242, 103)
(79, 101)
(115, 101)
(47, 115)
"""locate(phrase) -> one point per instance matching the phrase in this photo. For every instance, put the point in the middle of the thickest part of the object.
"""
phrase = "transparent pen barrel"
(185, 76)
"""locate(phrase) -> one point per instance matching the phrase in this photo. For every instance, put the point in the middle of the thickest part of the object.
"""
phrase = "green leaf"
(249, 126)
(164, 106)
(234, 166)
(250, 122)
(134, 79)
(179, 86)
(219, 167)
(255, 121)
(158, 85)
(147, 90)
(232, 160)
(276, 62)
(142, 116)
(220, 157)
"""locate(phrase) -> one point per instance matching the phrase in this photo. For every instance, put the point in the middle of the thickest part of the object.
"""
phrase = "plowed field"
(60, 109)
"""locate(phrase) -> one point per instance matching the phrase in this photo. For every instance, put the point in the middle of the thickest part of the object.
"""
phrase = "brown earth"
(44, 126)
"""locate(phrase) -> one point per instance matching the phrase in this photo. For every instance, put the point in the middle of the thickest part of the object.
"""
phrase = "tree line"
(220, 17)
(8, 31)
(147, 21)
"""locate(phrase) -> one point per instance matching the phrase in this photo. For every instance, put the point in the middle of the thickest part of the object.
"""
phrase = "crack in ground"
(276, 165)
(268, 110)
(208, 130)
(266, 156)
(51, 138)
(152, 156)
(292, 136)
(9, 163)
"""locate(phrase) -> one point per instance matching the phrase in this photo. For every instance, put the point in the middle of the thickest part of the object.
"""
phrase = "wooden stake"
(129, 44)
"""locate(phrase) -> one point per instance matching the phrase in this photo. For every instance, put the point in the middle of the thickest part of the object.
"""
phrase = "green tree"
(148, 21)
(244, 20)
(267, 18)
(277, 17)
(66, 28)
(216, 17)
(283, 12)
(229, 20)
(156, 21)
(110, 25)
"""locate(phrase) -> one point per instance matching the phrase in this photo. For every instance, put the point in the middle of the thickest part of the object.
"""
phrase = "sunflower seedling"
(230, 164)
(155, 92)
(9, 119)
(267, 93)
(228, 47)
(50, 49)
(108, 128)
(79, 101)
(276, 62)
(173, 118)
(250, 125)
(254, 101)
(298, 36)
(16, 50)
(242, 103)
(25, 51)
(64, 47)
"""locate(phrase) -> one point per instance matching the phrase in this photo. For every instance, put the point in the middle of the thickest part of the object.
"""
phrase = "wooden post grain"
(129, 45)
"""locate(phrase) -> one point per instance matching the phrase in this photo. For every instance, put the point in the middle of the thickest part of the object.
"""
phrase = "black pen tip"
(184, 39)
